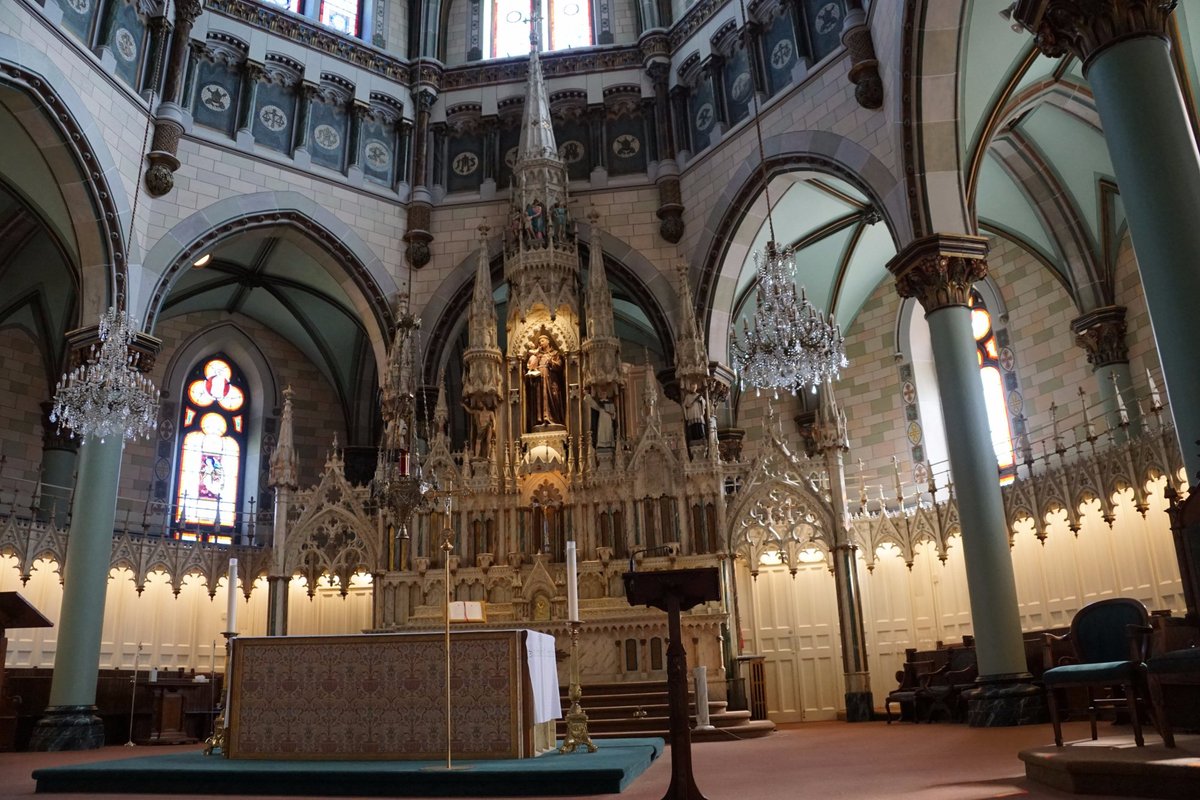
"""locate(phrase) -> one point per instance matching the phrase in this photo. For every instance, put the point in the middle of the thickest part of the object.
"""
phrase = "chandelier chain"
(792, 343)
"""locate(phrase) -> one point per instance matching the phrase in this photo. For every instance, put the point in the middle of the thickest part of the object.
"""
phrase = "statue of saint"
(537, 220)
(604, 422)
(561, 219)
(544, 385)
(484, 433)
(516, 225)
(694, 414)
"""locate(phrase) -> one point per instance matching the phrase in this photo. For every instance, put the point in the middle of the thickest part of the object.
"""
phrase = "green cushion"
(1175, 662)
(1104, 671)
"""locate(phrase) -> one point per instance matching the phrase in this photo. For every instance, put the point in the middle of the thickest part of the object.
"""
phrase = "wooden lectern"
(15, 612)
(673, 591)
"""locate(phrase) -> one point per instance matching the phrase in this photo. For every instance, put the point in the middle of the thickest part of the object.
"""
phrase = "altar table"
(383, 696)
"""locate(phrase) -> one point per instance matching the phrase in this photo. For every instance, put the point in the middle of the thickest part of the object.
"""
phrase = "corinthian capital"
(1085, 27)
(1101, 334)
(939, 270)
(188, 10)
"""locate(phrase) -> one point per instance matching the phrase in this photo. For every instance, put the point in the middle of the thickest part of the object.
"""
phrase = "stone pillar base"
(1004, 704)
(860, 707)
(68, 728)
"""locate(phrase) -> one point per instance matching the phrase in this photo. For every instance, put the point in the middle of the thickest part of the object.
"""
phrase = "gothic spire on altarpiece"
(601, 348)
(541, 261)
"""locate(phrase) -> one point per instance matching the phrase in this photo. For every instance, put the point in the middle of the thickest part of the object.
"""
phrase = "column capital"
(144, 348)
(1084, 28)
(1101, 334)
(186, 11)
(939, 270)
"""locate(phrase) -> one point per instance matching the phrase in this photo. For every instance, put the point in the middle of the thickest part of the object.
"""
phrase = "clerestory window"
(344, 16)
(564, 24)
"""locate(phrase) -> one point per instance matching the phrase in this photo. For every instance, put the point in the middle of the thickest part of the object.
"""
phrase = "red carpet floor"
(816, 761)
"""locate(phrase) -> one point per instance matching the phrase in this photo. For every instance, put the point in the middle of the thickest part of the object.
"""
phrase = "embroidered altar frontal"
(381, 696)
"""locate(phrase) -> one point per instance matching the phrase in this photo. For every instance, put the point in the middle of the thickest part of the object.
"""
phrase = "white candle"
(572, 584)
(231, 613)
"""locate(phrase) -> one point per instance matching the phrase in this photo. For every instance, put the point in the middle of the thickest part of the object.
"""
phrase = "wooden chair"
(1109, 640)
(941, 690)
(905, 694)
(1176, 668)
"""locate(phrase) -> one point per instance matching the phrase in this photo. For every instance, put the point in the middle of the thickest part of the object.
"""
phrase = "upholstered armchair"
(1109, 639)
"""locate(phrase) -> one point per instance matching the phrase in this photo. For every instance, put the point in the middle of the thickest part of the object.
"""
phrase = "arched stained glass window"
(212, 447)
(564, 24)
(993, 386)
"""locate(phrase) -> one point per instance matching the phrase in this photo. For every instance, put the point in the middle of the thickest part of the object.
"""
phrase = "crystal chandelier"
(107, 395)
(399, 486)
(792, 343)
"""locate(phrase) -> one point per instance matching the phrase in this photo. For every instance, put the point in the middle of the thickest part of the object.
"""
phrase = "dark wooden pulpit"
(15, 612)
(673, 591)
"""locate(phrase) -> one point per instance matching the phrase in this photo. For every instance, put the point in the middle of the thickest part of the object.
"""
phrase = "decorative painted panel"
(779, 52)
(128, 41)
(464, 171)
(328, 131)
(274, 115)
(627, 145)
(702, 112)
(738, 85)
(78, 17)
(824, 22)
(573, 138)
(509, 139)
(215, 103)
(378, 151)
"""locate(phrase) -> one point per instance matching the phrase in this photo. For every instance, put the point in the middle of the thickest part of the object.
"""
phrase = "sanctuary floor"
(814, 760)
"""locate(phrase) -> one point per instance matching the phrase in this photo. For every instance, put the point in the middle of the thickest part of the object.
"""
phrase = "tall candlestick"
(572, 584)
(231, 612)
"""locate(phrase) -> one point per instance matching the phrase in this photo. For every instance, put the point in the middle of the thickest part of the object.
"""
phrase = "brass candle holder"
(220, 734)
(577, 720)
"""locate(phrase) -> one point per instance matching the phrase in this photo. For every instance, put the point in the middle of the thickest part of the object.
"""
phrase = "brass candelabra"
(219, 740)
(577, 719)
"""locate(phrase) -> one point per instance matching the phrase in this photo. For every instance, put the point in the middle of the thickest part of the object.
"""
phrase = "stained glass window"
(993, 386)
(341, 15)
(564, 24)
(212, 444)
(290, 5)
(570, 23)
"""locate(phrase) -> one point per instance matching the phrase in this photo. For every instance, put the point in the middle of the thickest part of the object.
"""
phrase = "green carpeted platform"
(610, 769)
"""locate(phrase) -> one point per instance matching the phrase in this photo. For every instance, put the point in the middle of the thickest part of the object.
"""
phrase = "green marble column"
(939, 271)
(1127, 61)
(59, 452)
(70, 722)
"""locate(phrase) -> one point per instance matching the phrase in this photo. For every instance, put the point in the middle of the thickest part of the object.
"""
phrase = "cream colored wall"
(930, 603)
(173, 631)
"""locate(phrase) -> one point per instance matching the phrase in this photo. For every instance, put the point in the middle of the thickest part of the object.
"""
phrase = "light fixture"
(791, 343)
(202, 261)
(107, 395)
(399, 487)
